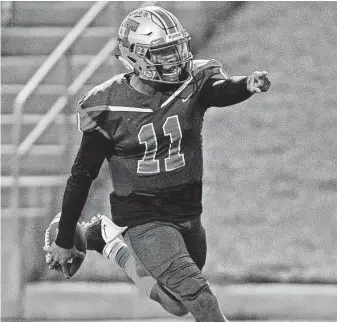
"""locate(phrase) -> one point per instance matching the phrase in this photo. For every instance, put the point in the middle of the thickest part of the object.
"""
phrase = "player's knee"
(176, 309)
(204, 306)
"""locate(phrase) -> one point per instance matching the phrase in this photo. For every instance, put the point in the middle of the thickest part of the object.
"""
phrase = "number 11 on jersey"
(147, 136)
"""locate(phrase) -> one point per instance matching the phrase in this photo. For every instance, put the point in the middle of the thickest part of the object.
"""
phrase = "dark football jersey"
(156, 139)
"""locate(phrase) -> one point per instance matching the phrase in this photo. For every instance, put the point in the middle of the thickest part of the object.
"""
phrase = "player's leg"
(161, 249)
(118, 251)
(147, 284)
(195, 240)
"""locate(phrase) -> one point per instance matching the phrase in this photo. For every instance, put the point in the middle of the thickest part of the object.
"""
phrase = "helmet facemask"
(171, 62)
(167, 63)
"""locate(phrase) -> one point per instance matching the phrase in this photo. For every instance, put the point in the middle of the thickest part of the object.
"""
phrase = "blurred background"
(270, 179)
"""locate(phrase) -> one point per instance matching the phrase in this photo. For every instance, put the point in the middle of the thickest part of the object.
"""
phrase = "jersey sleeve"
(221, 93)
(90, 156)
(92, 110)
(208, 69)
(220, 90)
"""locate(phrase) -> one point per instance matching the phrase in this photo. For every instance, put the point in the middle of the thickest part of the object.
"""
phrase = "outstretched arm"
(234, 90)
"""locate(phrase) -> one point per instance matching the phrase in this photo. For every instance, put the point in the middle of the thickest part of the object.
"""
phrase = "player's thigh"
(161, 249)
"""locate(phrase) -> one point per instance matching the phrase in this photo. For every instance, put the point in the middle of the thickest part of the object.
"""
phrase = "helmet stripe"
(173, 17)
(170, 17)
(167, 20)
(152, 11)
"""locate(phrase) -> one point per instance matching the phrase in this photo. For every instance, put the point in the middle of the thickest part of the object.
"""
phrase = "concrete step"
(19, 69)
(32, 212)
(40, 102)
(43, 40)
(64, 13)
(35, 181)
(41, 160)
(54, 134)
(247, 301)
(34, 190)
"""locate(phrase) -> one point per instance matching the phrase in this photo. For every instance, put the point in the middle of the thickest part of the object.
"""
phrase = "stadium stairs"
(30, 32)
(33, 33)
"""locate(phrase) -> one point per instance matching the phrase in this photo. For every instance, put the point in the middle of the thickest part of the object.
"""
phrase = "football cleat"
(102, 235)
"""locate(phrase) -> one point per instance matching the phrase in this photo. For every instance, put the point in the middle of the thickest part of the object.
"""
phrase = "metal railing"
(32, 84)
(61, 103)
(22, 149)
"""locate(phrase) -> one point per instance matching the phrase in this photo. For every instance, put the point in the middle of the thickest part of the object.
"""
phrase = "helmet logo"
(129, 25)
(175, 36)
(139, 13)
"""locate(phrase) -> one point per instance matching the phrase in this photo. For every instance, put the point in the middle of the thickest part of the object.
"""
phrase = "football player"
(147, 123)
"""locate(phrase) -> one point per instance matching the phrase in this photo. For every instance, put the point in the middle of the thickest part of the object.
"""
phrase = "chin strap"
(125, 62)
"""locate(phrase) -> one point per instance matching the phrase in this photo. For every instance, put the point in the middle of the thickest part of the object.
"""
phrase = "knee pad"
(168, 301)
(176, 309)
(183, 279)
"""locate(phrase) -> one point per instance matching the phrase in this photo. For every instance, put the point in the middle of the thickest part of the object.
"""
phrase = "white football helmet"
(154, 45)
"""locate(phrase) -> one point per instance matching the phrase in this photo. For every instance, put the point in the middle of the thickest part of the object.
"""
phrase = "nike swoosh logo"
(155, 42)
(187, 98)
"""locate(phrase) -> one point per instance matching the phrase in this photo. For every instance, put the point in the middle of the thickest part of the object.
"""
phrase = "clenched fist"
(258, 82)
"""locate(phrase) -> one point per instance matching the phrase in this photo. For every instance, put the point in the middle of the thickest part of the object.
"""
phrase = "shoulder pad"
(212, 67)
(100, 93)
(92, 105)
(198, 63)
(202, 71)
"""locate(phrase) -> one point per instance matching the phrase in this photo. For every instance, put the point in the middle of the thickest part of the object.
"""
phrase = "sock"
(122, 256)
(111, 249)
(143, 280)
(147, 284)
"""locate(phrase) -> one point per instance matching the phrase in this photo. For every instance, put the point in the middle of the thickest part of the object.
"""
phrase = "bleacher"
(32, 34)
(31, 31)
